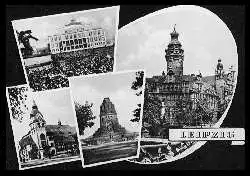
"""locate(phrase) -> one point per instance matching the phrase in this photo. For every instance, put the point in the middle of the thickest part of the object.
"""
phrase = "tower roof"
(34, 112)
(174, 34)
(174, 37)
(34, 104)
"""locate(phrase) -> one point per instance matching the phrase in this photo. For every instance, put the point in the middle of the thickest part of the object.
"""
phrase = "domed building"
(46, 140)
(76, 36)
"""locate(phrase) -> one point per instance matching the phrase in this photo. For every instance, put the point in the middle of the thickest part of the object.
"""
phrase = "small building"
(44, 140)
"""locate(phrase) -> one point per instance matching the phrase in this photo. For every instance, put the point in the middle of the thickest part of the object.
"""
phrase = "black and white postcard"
(53, 48)
(44, 126)
(108, 111)
(164, 91)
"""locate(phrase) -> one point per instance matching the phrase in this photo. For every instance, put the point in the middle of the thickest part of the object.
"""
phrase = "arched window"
(42, 137)
(43, 140)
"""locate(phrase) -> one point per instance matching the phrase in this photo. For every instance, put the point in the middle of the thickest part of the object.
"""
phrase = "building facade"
(178, 92)
(77, 36)
(110, 129)
(44, 140)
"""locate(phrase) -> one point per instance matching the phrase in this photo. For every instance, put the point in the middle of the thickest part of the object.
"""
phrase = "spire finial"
(174, 27)
(34, 103)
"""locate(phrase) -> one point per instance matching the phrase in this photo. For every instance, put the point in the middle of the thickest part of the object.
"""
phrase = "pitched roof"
(188, 78)
(60, 129)
(63, 133)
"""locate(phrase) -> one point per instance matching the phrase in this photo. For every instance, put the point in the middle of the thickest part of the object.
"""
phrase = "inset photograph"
(191, 60)
(53, 48)
(44, 126)
(108, 111)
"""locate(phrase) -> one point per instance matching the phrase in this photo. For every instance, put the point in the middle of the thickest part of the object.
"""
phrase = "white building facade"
(77, 36)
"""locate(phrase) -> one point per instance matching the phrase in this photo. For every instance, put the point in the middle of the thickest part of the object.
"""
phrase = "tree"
(18, 98)
(84, 116)
(151, 114)
(184, 112)
(137, 85)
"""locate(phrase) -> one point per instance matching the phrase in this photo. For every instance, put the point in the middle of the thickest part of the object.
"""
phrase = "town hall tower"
(174, 55)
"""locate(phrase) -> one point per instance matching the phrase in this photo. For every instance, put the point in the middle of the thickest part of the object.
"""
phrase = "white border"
(140, 122)
(63, 14)
(116, 38)
(198, 144)
(30, 93)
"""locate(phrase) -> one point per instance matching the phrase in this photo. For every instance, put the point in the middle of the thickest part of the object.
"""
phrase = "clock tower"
(174, 55)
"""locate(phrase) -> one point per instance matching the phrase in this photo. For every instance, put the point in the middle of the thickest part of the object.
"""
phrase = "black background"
(213, 155)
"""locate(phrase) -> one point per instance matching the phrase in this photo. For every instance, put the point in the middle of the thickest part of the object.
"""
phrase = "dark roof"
(60, 129)
(33, 113)
(26, 140)
(63, 133)
(189, 78)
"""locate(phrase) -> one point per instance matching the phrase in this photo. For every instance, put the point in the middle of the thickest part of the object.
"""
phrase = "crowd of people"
(47, 78)
(68, 64)
(96, 60)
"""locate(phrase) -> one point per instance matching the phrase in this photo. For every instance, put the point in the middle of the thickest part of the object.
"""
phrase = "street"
(109, 152)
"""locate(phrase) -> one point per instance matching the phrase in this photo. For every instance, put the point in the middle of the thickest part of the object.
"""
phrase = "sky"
(203, 35)
(54, 105)
(116, 86)
(42, 27)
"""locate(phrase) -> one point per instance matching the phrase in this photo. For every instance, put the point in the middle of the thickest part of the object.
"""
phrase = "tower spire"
(174, 34)
(34, 104)
(174, 55)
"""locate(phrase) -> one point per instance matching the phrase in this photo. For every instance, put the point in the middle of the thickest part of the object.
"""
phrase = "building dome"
(174, 34)
(73, 26)
(174, 38)
(73, 22)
